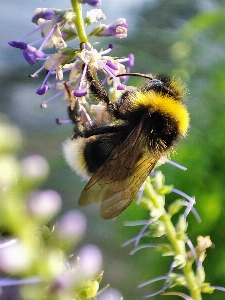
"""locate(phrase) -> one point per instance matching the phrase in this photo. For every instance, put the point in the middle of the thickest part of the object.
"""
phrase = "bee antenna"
(149, 76)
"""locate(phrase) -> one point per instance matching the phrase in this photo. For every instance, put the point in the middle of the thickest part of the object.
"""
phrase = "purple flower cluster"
(69, 64)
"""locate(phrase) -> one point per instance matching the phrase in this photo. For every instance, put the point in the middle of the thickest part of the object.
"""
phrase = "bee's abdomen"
(98, 149)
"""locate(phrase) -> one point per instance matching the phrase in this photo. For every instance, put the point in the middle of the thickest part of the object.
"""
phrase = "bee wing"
(118, 180)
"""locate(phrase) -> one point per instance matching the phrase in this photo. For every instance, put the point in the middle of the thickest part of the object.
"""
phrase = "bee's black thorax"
(161, 131)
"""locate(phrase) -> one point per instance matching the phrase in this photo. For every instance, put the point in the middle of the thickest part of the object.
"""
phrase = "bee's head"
(159, 84)
(162, 84)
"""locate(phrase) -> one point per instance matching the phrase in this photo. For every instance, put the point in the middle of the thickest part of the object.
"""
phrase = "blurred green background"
(182, 38)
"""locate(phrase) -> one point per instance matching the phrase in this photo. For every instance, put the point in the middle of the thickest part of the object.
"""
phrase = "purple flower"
(30, 53)
(118, 28)
(94, 3)
(43, 13)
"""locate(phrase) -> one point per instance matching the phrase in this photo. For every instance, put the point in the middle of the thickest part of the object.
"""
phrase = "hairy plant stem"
(177, 244)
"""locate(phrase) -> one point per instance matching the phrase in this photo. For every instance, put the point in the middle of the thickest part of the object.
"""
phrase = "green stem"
(177, 244)
(77, 8)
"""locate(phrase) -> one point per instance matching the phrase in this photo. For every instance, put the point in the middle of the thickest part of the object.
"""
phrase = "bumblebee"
(118, 152)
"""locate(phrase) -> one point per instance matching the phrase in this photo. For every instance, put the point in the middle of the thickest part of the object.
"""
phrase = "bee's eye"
(157, 81)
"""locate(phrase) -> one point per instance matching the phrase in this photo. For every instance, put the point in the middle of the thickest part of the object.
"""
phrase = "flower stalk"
(176, 236)
(77, 8)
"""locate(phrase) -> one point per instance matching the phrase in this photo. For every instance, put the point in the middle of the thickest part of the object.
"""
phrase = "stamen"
(47, 37)
(44, 86)
(141, 191)
(37, 53)
(140, 235)
(125, 79)
(111, 65)
(82, 76)
(166, 284)
(191, 202)
(109, 71)
(191, 208)
(33, 31)
(183, 195)
(62, 122)
(31, 49)
(111, 48)
(87, 115)
(123, 59)
(44, 104)
(42, 90)
(219, 288)
(152, 280)
(134, 239)
(120, 87)
(35, 74)
(129, 60)
(192, 248)
(176, 164)
(80, 92)
(130, 63)
(36, 42)
(143, 247)
(136, 223)
(190, 205)
(154, 294)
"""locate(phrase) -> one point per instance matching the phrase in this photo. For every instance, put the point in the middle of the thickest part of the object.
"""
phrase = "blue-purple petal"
(19, 45)
(29, 58)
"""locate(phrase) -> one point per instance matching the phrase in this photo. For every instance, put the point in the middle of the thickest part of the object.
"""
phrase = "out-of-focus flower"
(34, 166)
(15, 135)
(90, 260)
(71, 226)
(94, 16)
(9, 167)
(118, 28)
(44, 204)
(94, 3)
(110, 294)
(15, 258)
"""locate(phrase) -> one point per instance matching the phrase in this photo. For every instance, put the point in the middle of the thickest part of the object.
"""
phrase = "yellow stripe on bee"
(165, 105)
